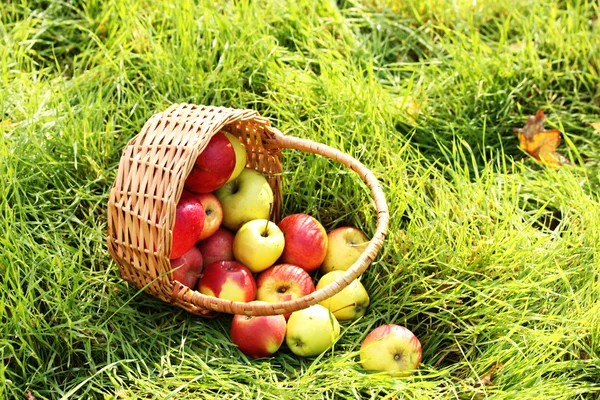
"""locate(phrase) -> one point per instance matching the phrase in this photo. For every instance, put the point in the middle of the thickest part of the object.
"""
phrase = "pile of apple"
(224, 245)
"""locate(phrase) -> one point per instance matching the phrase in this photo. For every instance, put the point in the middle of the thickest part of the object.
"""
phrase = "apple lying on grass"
(240, 155)
(311, 331)
(213, 167)
(228, 280)
(391, 348)
(344, 246)
(305, 241)
(213, 214)
(348, 304)
(283, 282)
(189, 222)
(188, 267)
(259, 336)
(245, 198)
(217, 247)
(258, 244)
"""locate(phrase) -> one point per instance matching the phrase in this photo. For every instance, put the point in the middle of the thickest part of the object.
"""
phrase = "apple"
(217, 247)
(344, 246)
(348, 304)
(245, 198)
(189, 222)
(283, 282)
(391, 348)
(240, 156)
(259, 336)
(228, 280)
(258, 244)
(311, 331)
(213, 166)
(188, 267)
(213, 214)
(305, 241)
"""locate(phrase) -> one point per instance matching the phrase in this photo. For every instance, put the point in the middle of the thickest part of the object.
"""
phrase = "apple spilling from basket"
(224, 245)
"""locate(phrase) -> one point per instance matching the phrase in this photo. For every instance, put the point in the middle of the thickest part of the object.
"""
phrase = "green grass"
(491, 258)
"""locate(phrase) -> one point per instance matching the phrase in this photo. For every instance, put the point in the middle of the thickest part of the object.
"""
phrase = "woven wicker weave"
(149, 183)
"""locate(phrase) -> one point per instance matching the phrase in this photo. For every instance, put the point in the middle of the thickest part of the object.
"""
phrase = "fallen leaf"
(486, 380)
(29, 396)
(596, 126)
(540, 143)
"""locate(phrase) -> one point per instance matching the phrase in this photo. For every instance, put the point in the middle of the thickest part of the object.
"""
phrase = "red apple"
(189, 222)
(305, 241)
(258, 336)
(188, 267)
(213, 214)
(213, 166)
(283, 282)
(217, 247)
(228, 280)
(391, 348)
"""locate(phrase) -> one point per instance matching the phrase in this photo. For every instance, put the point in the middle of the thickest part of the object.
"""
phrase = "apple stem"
(266, 231)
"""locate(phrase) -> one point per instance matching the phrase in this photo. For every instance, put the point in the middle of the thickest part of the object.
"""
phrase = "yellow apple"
(349, 304)
(391, 348)
(247, 197)
(311, 331)
(240, 155)
(258, 244)
(345, 245)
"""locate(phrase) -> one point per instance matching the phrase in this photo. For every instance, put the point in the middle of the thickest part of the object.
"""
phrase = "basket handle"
(375, 244)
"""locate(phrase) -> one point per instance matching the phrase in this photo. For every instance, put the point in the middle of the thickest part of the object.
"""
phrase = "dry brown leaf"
(29, 396)
(540, 143)
(486, 380)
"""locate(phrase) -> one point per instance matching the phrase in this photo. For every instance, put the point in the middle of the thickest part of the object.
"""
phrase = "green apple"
(240, 155)
(345, 245)
(311, 331)
(258, 244)
(348, 304)
(245, 198)
(391, 348)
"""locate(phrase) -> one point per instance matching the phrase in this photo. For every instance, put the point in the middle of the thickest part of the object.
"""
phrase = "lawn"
(492, 259)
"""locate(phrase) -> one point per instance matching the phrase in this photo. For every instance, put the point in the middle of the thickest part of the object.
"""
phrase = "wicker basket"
(149, 183)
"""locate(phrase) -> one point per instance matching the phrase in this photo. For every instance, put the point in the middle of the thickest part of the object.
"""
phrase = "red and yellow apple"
(245, 198)
(228, 280)
(305, 241)
(258, 244)
(344, 246)
(283, 282)
(311, 331)
(189, 222)
(348, 304)
(188, 267)
(240, 156)
(391, 348)
(217, 247)
(258, 336)
(213, 166)
(213, 214)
